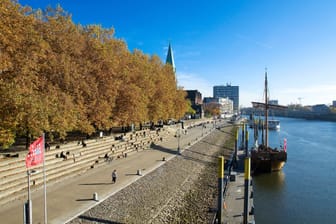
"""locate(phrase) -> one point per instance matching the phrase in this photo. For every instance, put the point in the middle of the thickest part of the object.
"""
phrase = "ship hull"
(277, 165)
(267, 161)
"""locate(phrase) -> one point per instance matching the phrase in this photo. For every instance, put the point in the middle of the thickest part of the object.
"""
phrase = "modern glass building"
(232, 92)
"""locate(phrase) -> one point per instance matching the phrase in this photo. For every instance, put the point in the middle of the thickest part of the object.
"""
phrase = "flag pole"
(44, 182)
(33, 158)
(28, 206)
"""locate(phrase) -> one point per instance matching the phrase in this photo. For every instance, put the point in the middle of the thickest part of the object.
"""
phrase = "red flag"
(285, 145)
(35, 155)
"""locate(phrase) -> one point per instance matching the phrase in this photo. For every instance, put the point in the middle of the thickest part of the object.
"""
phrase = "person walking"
(114, 176)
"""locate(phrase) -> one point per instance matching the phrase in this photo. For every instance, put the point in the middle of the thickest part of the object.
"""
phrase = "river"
(305, 190)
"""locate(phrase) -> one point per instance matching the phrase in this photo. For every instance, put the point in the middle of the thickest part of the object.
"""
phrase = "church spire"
(170, 57)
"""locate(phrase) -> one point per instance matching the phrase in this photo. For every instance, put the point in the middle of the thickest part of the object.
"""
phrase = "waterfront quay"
(83, 194)
(234, 194)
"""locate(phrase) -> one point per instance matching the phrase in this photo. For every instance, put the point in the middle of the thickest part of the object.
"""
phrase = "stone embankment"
(183, 190)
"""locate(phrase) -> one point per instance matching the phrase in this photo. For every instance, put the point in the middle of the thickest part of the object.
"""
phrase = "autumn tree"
(20, 45)
(57, 77)
(212, 109)
(156, 108)
(132, 99)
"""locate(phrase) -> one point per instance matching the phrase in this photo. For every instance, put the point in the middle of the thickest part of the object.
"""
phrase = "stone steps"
(13, 175)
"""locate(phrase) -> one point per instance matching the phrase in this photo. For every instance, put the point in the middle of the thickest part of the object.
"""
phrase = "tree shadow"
(162, 149)
(97, 220)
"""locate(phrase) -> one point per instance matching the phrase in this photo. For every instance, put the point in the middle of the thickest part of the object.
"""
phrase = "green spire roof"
(170, 57)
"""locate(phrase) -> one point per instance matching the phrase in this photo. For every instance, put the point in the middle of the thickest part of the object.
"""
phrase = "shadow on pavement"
(97, 220)
(97, 183)
(131, 174)
(85, 199)
(162, 149)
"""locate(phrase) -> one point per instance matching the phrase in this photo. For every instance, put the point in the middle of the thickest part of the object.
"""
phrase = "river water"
(305, 190)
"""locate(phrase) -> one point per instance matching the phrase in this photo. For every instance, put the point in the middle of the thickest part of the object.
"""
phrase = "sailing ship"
(263, 157)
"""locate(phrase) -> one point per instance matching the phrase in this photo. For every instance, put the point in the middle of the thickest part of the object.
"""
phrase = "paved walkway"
(73, 196)
(234, 200)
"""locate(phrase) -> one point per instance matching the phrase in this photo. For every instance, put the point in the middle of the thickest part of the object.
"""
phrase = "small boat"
(259, 123)
(265, 158)
(273, 125)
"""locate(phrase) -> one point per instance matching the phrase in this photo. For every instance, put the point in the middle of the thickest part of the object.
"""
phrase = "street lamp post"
(28, 205)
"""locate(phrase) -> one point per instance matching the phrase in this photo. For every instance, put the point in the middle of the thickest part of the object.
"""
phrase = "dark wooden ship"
(264, 158)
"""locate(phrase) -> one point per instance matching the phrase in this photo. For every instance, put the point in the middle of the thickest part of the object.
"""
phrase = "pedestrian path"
(234, 198)
(75, 195)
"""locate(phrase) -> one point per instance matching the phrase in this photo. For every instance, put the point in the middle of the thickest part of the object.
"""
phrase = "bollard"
(246, 188)
(163, 158)
(95, 196)
(220, 188)
(243, 136)
(139, 172)
(246, 143)
(235, 159)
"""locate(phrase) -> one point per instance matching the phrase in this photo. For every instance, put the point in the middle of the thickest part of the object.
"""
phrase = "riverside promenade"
(73, 196)
(234, 197)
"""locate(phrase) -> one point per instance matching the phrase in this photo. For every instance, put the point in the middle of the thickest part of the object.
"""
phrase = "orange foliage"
(57, 77)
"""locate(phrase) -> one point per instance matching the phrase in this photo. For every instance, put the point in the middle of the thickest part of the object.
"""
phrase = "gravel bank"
(183, 190)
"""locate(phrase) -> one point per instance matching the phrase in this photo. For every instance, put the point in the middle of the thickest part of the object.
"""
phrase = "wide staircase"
(67, 160)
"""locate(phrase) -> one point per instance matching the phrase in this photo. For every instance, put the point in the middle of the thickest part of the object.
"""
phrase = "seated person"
(63, 155)
(47, 146)
(108, 158)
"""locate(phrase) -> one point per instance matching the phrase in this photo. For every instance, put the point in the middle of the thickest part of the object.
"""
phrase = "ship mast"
(266, 110)
(266, 106)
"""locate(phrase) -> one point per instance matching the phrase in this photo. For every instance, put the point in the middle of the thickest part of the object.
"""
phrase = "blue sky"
(229, 41)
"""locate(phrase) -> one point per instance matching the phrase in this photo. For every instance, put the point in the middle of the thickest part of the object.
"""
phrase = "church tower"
(170, 57)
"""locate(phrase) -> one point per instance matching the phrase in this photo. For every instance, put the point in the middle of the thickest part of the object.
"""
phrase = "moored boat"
(258, 123)
(273, 125)
(267, 160)
(264, 158)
